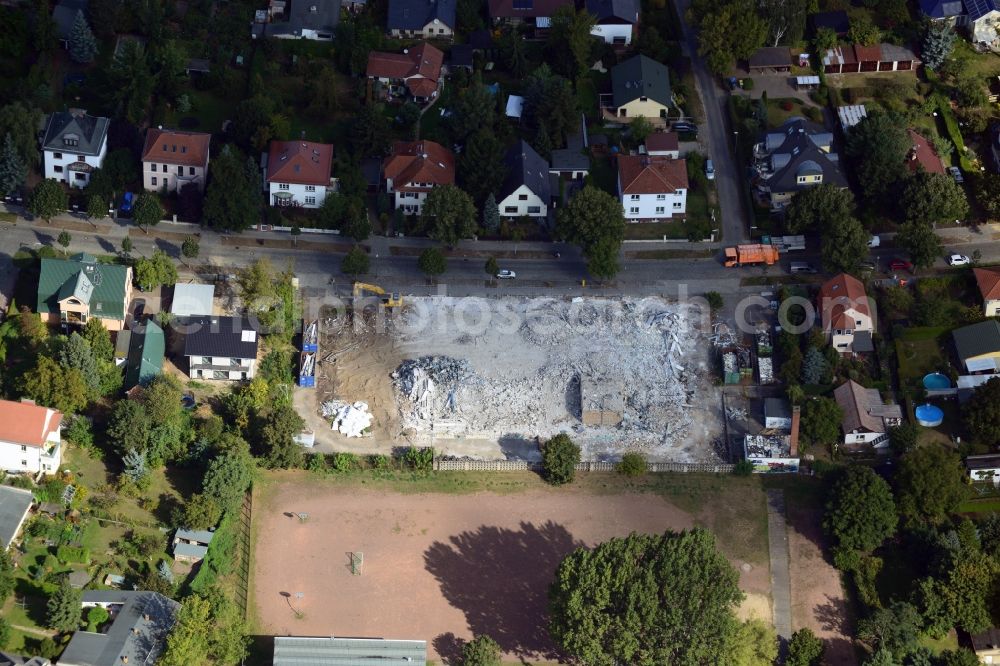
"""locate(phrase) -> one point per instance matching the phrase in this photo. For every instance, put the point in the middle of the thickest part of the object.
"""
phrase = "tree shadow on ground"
(500, 578)
(449, 647)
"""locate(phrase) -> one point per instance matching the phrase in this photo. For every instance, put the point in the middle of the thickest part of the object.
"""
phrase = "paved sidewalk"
(781, 586)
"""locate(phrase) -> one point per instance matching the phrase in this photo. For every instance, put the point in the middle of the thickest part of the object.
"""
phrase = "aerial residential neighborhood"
(494, 332)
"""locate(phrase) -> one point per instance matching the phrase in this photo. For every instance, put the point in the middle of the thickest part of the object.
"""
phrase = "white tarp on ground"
(351, 419)
(515, 105)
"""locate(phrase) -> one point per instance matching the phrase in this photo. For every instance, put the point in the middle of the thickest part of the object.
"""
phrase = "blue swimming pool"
(936, 380)
(929, 415)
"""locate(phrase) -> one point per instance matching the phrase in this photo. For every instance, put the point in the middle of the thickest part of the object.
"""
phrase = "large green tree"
(481, 651)
(549, 101)
(371, 133)
(76, 354)
(51, 385)
(63, 610)
(595, 221)
(449, 214)
(275, 442)
(130, 81)
(481, 167)
(13, 170)
(821, 418)
(473, 111)
(860, 511)
(938, 43)
(982, 412)
(845, 244)
(48, 199)
(155, 271)
(21, 120)
(570, 40)
(82, 44)
(228, 478)
(919, 240)
(560, 456)
(805, 649)
(232, 202)
(930, 484)
(148, 211)
(878, 146)
(432, 262)
(646, 599)
(754, 643)
(728, 31)
(208, 624)
(933, 197)
(815, 208)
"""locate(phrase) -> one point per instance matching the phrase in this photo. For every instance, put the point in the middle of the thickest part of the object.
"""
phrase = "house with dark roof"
(428, 19)
(140, 623)
(663, 144)
(71, 291)
(986, 645)
(640, 87)
(73, 146)
(297, 173)
(984, 468)
(835, 20)
(302, 650)
(652, 188)
(301, 19)
(220, 347)
(846, 314)
(526, 191)
(988, 281)
(15, 503)
(173, 158)
(30, 440)
(922, 156)
(793, 157)
(415, 72)
(867, 419)
(943, 10)
(982, 18)
(770, 59)
(64, 16)
(8, 659)
(615, 21)
(145, 355)
(531, 13)
(191, 545)
(413, 169)
(978, 346)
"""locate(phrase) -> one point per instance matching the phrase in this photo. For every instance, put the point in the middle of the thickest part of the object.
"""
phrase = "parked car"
(127, 200)
(874, 241)
(956, 173)
(899, 264)
(505, 274)
(709, 170)
(802, 267)
(958, 260)
(866, 266)
(685, 127)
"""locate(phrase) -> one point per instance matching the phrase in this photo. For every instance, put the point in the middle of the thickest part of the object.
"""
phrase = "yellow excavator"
(389, 299)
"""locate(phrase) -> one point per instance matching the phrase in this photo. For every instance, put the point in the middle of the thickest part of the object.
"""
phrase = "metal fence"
(587, 466)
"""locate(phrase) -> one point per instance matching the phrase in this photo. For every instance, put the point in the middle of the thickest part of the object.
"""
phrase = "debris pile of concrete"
(349, 419)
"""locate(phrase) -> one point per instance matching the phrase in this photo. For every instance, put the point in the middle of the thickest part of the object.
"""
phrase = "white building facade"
(522, 202)
(30, 440)
(222, 367)
(74, 145)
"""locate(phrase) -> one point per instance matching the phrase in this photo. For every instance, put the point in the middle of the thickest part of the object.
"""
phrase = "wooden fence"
(587, 466)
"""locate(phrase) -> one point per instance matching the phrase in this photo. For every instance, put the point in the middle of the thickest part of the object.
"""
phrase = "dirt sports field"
(441, 567)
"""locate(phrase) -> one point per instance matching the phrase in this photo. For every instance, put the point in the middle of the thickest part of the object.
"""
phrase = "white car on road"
(506, 275)
(958, 260)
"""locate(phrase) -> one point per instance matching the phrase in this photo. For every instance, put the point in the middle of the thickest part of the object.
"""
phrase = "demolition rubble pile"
(521, 373)
(350, 419)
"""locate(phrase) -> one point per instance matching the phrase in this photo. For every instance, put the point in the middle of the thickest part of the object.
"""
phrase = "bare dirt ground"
(437, 567)
(818, 599)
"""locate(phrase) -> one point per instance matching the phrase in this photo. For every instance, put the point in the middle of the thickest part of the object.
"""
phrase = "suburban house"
(846, 314)
(663, 144)
(984, 468)
(526, 191)
(986, 645)
(982, 19)
(171, 159)
(922, 155)
(221, 347)
(74, 145)
(640, 87)
(988, 280)
(71, 291)
(867, 419)
(951, 11)
(978, 346)
(571, 163)
(793, 157)
(15, 504)
(140, 624)
(300, 19)
(770, 59)
(30, 442)
(855, 58)
(415, 72)
(615, 20)
(652, 188)
(413, 169)
(299, 650)
(429, 19)
(145, 354)
(533, 13)
(298, 173)
(191, 545)
(64, 16)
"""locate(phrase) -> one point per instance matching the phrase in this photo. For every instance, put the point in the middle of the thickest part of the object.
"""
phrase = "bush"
(560, 456)
(316, 463)
(714, 299)
(786, 105)
(96, 616)
(69, 554)
(813, 113)
(419, 459)
(345, 462)
(834, 97)
(748, 83)
(743, 468)
(632, 464)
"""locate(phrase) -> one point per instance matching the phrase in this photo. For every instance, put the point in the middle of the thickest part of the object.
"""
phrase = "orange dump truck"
(750, 255)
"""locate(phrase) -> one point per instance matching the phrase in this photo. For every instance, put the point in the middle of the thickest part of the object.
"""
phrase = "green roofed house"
(145, 354)
(640, 86)
(71, 291)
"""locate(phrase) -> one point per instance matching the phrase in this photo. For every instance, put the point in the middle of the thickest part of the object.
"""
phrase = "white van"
(802, 267)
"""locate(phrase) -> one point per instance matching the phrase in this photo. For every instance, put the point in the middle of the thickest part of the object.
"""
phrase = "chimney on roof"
(793, 439)
(124, 658)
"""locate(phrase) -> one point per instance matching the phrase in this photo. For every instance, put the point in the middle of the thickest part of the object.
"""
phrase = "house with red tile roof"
(922, 155)
(298, 173)
(30, 442)
(171, 159)
(988, 280)
(846, 314)
(413, 169)
(652, 187)
(415, 72)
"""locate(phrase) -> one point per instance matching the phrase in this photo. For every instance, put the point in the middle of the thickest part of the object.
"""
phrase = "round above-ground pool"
(929, 415)
(936, 380)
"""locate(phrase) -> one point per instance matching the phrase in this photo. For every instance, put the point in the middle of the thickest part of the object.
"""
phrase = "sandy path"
(436, 567)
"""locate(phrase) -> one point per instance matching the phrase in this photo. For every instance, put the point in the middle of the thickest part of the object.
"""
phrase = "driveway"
(719, 138)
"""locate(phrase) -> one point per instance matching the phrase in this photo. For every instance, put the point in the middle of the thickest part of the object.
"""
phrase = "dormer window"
(71, 140)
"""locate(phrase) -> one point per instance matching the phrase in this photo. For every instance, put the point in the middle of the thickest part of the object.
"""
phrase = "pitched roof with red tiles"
(988, 280)
(662, 141)
(922, 154)
(526, 8)
(868, 53)
(299, 162)
(422, 60)
(176, 147)
(419, 162)
(27, 424)
(641, 174)
(838, 295)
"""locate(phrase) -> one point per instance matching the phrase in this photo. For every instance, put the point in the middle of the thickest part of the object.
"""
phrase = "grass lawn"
(948, 642)
(586, 95)
(603, 174)
(210, 111)
(918, 353)
(10, 218)
(777, 115)
(655, 230)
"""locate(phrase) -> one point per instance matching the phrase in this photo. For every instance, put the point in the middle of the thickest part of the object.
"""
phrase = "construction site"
(491, 378)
